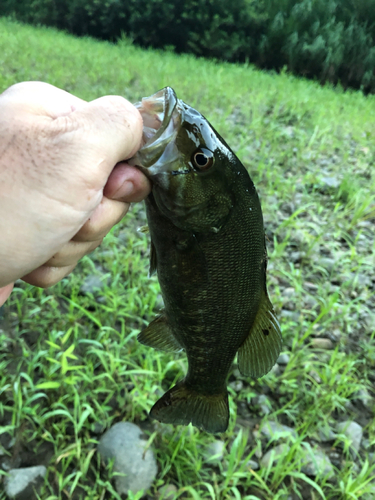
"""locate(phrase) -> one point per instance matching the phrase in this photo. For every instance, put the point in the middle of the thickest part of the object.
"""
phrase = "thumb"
(111, 127)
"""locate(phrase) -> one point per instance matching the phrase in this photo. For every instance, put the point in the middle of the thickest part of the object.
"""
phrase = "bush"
(331, 40)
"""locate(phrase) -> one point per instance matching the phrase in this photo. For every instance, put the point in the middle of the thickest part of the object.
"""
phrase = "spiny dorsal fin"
(159, 335)
(259, 352)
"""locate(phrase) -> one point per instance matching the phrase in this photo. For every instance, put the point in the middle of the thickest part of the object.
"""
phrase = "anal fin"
(158, 334)
(259, 352)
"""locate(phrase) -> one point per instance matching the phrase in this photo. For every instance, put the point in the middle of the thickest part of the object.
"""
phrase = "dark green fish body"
(208, 248)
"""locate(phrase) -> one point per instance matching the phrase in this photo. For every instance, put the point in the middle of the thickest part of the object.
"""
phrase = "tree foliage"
(330, 40)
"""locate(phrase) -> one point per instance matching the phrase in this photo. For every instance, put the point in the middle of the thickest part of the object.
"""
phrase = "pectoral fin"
(153, 261)
(259, 352)
(159, 335)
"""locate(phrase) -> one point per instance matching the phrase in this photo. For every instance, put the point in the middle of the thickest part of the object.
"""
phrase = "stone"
(273, 454)
(97, 428)
(167, 492)
(92, 284)
(252, 464)
(21, 484)
(283, 359)
(327, 263)
(331, 181)
(264, 403)
(275, 370)
(369, 323)
(315, 462)
(315, 375)
(290, 315)
(310, 286)
(288, 292)
(321, 343)
(353, 432)
(364, 396)
(296, 257)
(366, 444)
(214, 452)
(123, 444)
(271, 429)
(310, 302)
(326, 434)
(236, 385)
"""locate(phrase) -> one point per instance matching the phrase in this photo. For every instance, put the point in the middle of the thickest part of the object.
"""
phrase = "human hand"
(59, 191)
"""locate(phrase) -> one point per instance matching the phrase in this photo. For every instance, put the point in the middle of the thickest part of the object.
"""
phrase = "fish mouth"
(162, 116)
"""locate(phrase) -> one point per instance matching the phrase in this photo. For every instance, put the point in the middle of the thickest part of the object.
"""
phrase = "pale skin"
(64, 181)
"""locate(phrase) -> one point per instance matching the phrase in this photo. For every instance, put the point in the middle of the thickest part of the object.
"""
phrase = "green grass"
(70, 362)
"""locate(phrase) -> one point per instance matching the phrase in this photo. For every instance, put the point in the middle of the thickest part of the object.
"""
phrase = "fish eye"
(202, 159)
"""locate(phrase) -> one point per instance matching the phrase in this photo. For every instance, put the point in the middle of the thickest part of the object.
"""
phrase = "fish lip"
(162, 117)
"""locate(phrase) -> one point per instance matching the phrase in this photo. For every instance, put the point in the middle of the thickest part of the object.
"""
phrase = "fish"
(208, 249)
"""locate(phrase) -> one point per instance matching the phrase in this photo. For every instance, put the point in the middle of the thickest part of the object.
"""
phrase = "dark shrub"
(330, 40)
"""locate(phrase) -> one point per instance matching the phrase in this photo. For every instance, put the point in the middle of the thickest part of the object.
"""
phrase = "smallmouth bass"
(208, 249)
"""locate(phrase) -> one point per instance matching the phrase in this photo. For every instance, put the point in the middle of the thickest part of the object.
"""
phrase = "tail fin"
(181, 405)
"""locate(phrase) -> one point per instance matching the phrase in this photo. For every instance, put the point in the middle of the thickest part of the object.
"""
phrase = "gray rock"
(310, 286)
(253, 464)
(315, 462)
(369, 323)
(273, 429)
(97, 428)
(236, 385)
(92, 283)
(296, 257)
(315, 375)
(310, 302)
(275, 369)
(327, 263)
(291, 315)
(326, 434)
(21, 483)
(283, 359)
(361, 280)
(331, 181)
(288, 292)
(353, 432)
(123, 444)
(273, 454)
(320, 343)
(214, 452)
(167, 492)
(364, 396)
(366, 444)
(264, 403)
(6, 463)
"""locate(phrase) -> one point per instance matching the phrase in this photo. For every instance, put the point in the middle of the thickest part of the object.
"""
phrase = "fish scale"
(208, 249)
